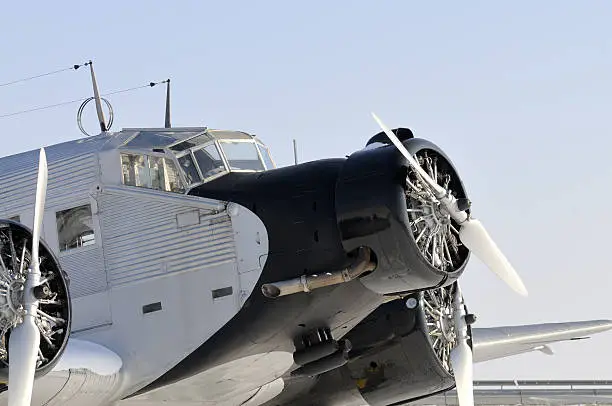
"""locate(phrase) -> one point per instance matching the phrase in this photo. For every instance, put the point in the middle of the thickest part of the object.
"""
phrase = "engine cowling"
(400, 354)
(54, 316)
(384, 205)
(318, 213)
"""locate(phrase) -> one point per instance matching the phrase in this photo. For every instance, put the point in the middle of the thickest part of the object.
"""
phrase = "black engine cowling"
(318, 213)
(397, 356)
(55, 311)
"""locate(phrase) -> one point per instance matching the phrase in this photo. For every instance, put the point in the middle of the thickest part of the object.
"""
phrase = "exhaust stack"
(306, 283)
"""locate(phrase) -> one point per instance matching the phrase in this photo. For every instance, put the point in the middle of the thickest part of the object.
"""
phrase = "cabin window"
(75, 228)
(242, 156)
(151, 172)
(135, 171)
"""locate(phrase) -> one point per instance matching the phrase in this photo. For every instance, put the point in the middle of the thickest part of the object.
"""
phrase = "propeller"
(461, 355)
(24, 340)
(471, 233)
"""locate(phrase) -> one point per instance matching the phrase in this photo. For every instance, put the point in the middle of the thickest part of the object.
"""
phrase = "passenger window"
(75, 228)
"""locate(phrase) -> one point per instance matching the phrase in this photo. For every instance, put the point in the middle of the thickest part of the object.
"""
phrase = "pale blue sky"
(516, 92)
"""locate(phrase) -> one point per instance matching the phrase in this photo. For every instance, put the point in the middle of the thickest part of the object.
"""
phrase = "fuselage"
(168, 276)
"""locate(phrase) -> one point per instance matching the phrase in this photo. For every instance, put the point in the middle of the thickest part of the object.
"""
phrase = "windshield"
(203, 158)
(242, 155)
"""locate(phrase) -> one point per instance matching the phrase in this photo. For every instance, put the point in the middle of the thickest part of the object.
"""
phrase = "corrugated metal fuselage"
(165, 270)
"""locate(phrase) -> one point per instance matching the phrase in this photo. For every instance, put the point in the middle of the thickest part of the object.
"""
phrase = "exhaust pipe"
(306, 283)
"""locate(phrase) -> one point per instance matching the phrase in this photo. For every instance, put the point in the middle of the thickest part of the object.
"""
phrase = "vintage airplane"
(178, 264)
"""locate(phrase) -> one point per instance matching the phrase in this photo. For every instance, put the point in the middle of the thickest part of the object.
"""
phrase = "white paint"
(80, 354)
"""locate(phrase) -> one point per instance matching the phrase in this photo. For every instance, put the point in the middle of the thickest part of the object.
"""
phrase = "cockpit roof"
(178, 139)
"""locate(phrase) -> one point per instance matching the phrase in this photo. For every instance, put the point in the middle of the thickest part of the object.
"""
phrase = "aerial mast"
(98, 100)
(167, 121)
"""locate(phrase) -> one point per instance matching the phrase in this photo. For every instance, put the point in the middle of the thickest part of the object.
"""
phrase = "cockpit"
(175, 160)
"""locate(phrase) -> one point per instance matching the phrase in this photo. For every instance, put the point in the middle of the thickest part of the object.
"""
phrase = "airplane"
(158, 265)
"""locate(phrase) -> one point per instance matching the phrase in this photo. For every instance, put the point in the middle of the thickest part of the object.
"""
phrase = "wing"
(499, 342)
(531, 393)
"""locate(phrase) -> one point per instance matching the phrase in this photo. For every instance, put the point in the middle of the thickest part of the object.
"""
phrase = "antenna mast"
(98, 100)
(167, 122)
(295, 159)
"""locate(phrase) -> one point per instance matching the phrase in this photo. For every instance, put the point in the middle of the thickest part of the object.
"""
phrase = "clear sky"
(516, 92)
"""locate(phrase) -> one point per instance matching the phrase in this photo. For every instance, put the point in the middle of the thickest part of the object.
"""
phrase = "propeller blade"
(438, 190)
(461, 355)
(39, 208)
(472, 233)
(461, 361)
(24, 340)
(23, 352)
(475, 237)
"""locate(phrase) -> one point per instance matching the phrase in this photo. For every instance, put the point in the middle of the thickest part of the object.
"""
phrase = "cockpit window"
(192, 142)
(265, 154)
(189, 169)
(164, 175)
(151, 172)
(242, 155)
(209, 160)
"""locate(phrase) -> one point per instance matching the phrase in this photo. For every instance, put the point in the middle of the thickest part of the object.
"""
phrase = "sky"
(517, 93)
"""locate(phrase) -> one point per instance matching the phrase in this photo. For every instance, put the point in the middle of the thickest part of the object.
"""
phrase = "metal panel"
(71, 177)
(85, 268)
(70, 184)
(142, 238)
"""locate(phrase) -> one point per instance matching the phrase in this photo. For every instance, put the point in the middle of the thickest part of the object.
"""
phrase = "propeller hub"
(433, 226)
(446, 324)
